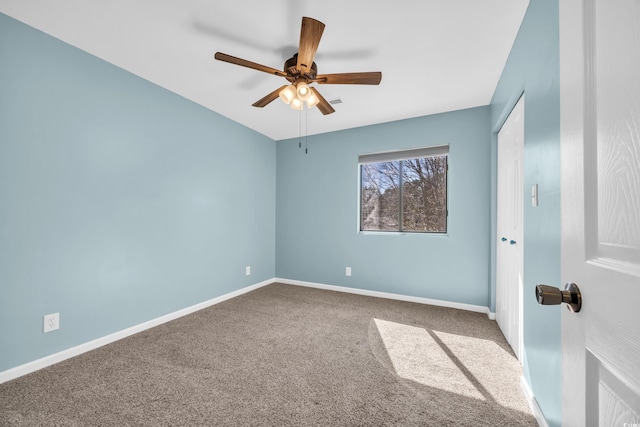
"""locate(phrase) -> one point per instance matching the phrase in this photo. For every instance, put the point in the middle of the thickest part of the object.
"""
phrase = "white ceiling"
(434, 55)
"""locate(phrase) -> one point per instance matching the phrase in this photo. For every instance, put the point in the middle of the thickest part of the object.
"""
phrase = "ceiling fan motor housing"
(293, 74)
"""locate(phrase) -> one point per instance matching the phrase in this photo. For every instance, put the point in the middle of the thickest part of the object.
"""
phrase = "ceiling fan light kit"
(301, 71)
(297, 95)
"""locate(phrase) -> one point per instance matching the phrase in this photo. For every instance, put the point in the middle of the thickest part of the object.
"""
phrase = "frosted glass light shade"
(288, 94)
(303, 91)
(296, 104)
(312, 101)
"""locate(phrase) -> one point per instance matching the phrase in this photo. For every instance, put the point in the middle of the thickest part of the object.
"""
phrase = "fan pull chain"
(306, 131)
(300, 129)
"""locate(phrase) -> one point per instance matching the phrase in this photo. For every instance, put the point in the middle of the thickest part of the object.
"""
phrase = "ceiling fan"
(301, 71)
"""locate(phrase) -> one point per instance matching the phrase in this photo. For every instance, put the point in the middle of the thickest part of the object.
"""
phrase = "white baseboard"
(533, 403)
(420, 300)
(52, 359)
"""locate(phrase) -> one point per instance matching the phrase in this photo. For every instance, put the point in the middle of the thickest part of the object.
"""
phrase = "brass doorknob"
(549, 295)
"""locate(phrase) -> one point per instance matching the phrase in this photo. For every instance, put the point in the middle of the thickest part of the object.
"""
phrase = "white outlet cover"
(51, 322)
(247, 270)
(348, 271)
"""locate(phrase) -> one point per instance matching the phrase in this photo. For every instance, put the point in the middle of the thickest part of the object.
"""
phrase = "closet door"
(509, 251)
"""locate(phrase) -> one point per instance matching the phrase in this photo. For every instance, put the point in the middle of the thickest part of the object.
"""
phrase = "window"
(404, 191)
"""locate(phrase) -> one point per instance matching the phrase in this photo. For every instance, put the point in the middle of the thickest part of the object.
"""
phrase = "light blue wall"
(119, 201)
(317, 212)
(533, 68)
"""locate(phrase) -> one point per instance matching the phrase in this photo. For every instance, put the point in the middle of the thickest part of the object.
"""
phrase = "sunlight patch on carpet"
(417, 356)
(450, 362)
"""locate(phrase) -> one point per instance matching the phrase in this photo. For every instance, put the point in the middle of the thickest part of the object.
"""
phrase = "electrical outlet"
(247, 270)
(347, 271)
(51, 322)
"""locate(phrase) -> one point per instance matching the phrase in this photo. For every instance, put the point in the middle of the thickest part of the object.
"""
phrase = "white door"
(600, 139)
(509, 251)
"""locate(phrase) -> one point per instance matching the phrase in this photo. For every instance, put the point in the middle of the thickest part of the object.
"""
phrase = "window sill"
(400, 233)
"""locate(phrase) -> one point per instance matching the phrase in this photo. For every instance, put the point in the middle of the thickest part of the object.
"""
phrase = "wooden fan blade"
(267, 99)
(324, 106)
(372, 78)
(243, 62)
(310, 35)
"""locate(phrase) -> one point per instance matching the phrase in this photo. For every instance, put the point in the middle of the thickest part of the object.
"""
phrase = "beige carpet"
(286, 356)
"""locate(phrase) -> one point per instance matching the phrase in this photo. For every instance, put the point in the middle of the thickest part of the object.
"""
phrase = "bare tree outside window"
(424, 195)
(404, 195)
(380, 196)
